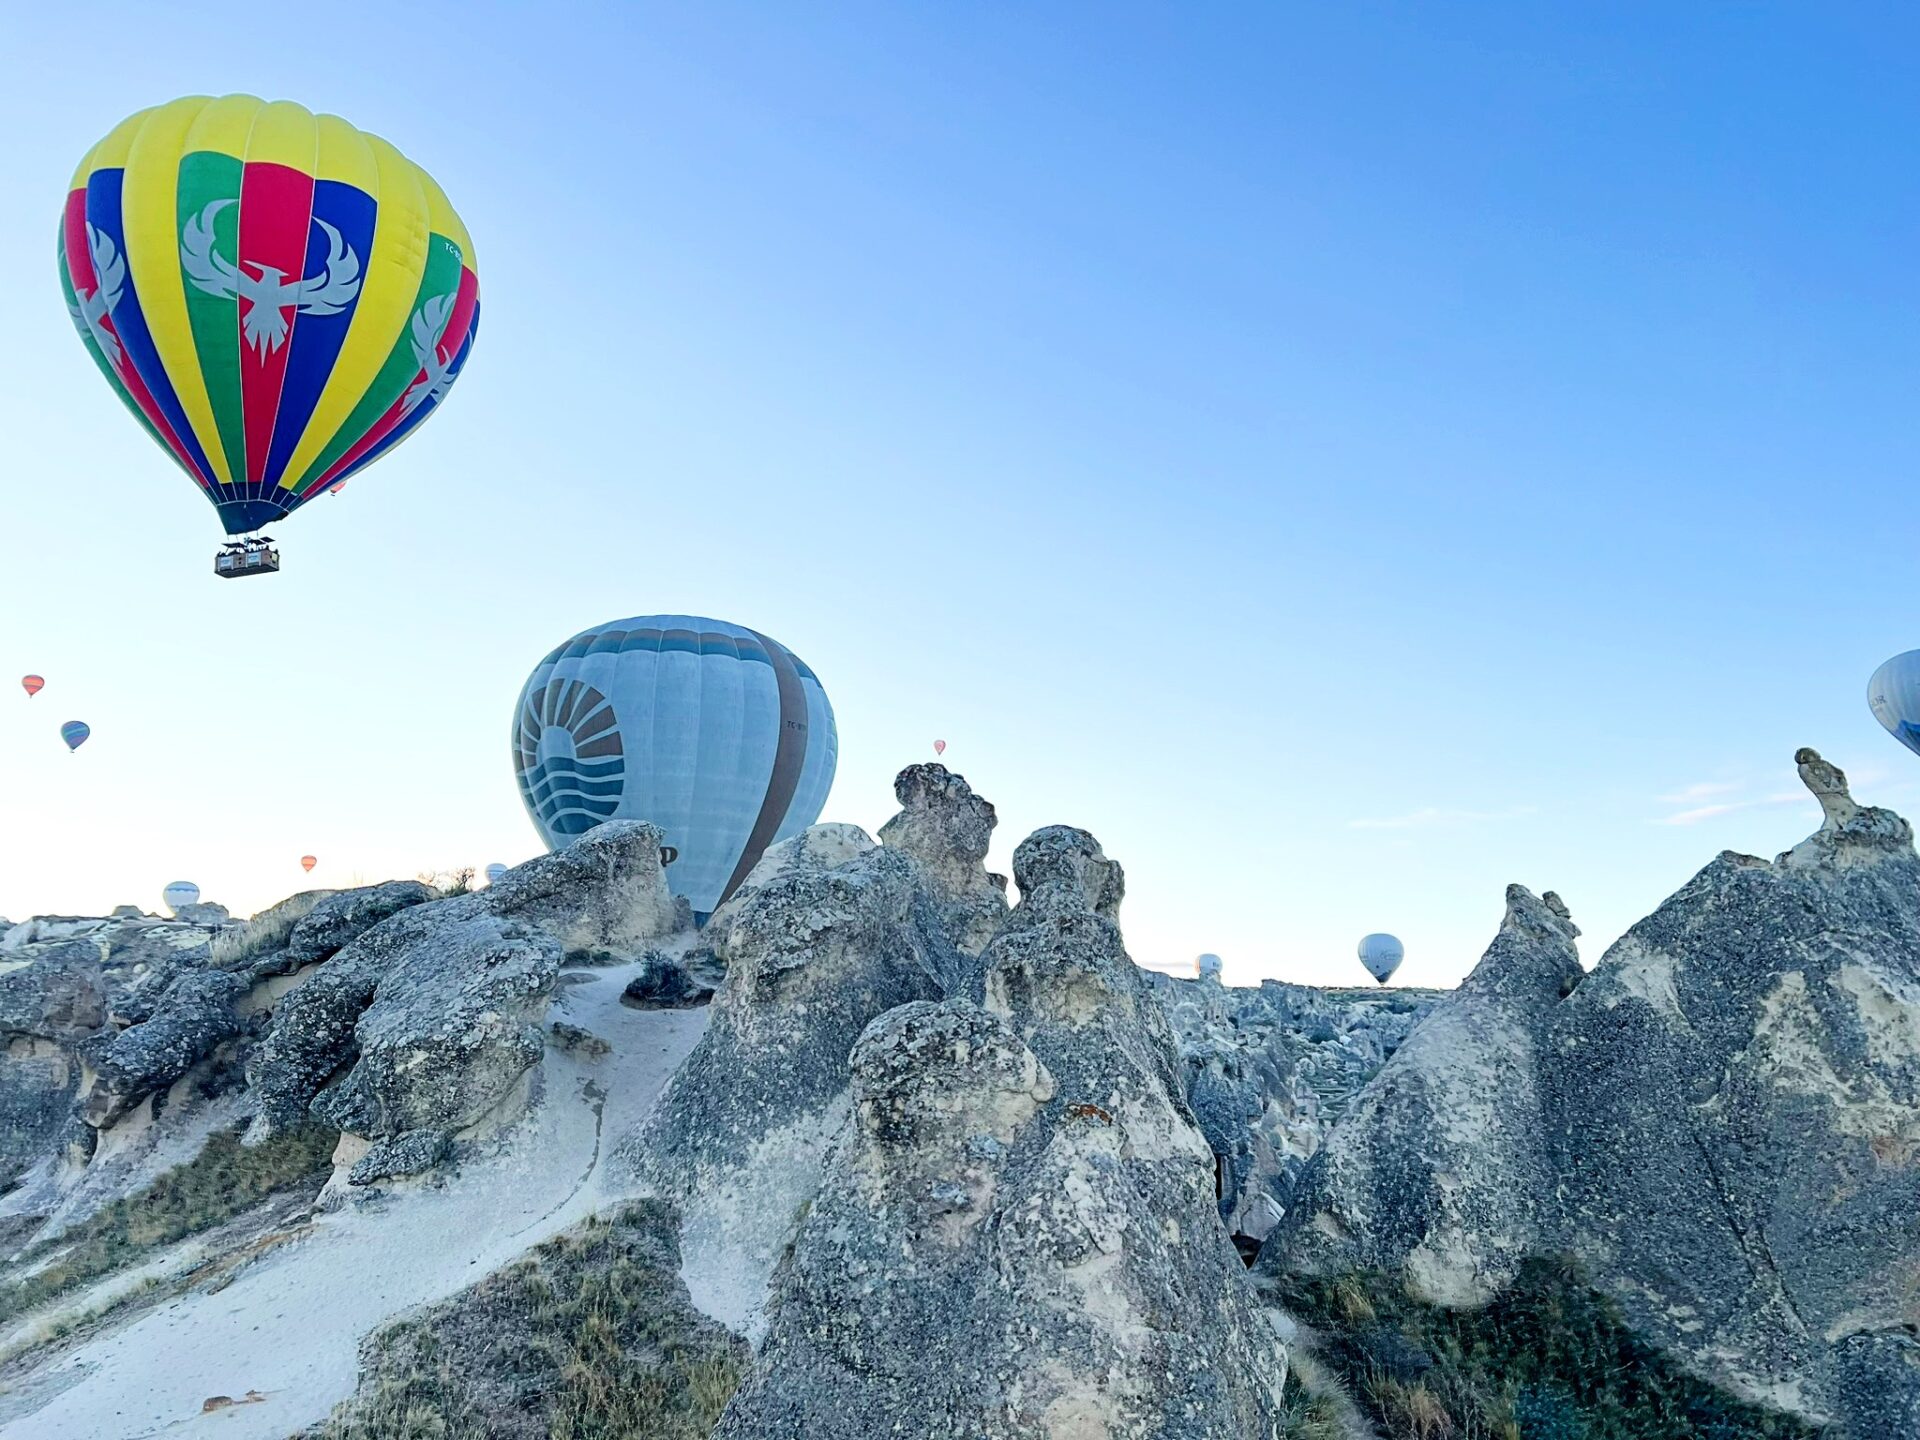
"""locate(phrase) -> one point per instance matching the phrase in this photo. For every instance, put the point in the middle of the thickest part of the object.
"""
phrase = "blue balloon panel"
(717, 734)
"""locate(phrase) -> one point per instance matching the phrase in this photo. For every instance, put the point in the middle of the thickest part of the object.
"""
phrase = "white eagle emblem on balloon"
(429, 324)
(271, 299)
(109, 274)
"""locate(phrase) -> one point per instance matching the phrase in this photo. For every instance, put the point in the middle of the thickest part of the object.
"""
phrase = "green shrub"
(223, 1180)
(591, 1337)
(1550, 1359)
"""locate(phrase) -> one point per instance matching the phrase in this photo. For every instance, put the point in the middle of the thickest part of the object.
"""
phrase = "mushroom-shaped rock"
(948, 829)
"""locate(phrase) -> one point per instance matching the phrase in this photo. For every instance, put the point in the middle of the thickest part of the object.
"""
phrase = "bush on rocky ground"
(591, 1336)
(1549, 1359)
(221, 1182)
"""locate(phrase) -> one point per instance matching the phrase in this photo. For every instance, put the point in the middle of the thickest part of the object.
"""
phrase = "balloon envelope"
(1893, 694)
(32, 684)
(717, 734)
(495, 871)
(1207, 965)
(939, 747)
(179, 894)
(1381, 954)
(75, 733)
(273, 356)
(307, 862)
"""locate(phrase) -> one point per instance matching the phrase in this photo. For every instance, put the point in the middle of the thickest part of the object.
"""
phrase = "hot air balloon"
(1207, 967)
(32, 684)
(1893, 694)
(717, 734)
(180, 894)
(1381, 954)
(75, 733)
(939, 747)
(494, 872)
(278, 298)
(307, 862)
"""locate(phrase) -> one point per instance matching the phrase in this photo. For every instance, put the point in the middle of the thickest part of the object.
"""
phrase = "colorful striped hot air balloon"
(717, 734)
(32, 684)
(307, 862)
(75, 733)
(278, 297)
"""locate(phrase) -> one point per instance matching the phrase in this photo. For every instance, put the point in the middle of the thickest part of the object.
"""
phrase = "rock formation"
(1721, 1124)
(948, 829)
(737, 1140)
(1016, 1232)
(1437, 1169)
(422, 1023)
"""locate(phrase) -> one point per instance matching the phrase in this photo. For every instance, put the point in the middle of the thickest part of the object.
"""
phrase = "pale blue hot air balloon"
(494, 872)
(75, 733)
(1893, 694)
(717, 734)
(180, 894)
(1381, 954)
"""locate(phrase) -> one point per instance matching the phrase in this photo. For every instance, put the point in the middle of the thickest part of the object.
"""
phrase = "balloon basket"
(249, 558)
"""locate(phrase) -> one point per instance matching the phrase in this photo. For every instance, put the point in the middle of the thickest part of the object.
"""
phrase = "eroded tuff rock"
(1271, 1071)
(424, 1023)
(188, 1022)
(1016, 1233)
(948, 829)
(341, 918)
(1734, 1105)
(1440, 1168)
(1721, 1123)
(738, 1137)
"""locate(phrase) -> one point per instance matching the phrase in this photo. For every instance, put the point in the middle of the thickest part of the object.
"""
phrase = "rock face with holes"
(1440, 1169)
(1016, 1233)
(738, 1138)
(1721, 1123)
(948, 828)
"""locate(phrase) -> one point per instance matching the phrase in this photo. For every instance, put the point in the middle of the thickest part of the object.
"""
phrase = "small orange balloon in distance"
(32, 684)
(939, 747)
(307, 862)
(336, 487)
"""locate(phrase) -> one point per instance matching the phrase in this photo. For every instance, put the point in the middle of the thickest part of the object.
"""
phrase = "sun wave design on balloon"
(569, 757)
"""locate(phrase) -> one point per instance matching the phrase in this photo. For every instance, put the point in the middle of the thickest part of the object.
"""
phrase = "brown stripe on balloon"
(788, 760)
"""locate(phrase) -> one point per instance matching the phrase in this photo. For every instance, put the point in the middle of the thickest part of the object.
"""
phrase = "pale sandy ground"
(289, 1325)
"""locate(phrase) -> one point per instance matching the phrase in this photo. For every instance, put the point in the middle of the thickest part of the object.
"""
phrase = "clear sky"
(1348, 457)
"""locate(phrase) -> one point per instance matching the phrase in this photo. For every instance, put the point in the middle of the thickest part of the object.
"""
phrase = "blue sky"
(1347, 457)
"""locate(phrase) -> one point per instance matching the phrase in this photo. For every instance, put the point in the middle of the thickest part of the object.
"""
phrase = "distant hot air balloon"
(75, 733)
(1893, 694)
(180, 894)
(277, 297)
(307, 862)
(1381, 954)
(494, 872)
(32, 684)
(939, 747)
(1207, 967)
(717, 734)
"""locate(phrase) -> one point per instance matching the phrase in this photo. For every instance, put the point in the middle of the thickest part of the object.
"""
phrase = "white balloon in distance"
(1207, 967)
(180, 894)
(1381, 954)
(1893, 694)
(494, 872)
